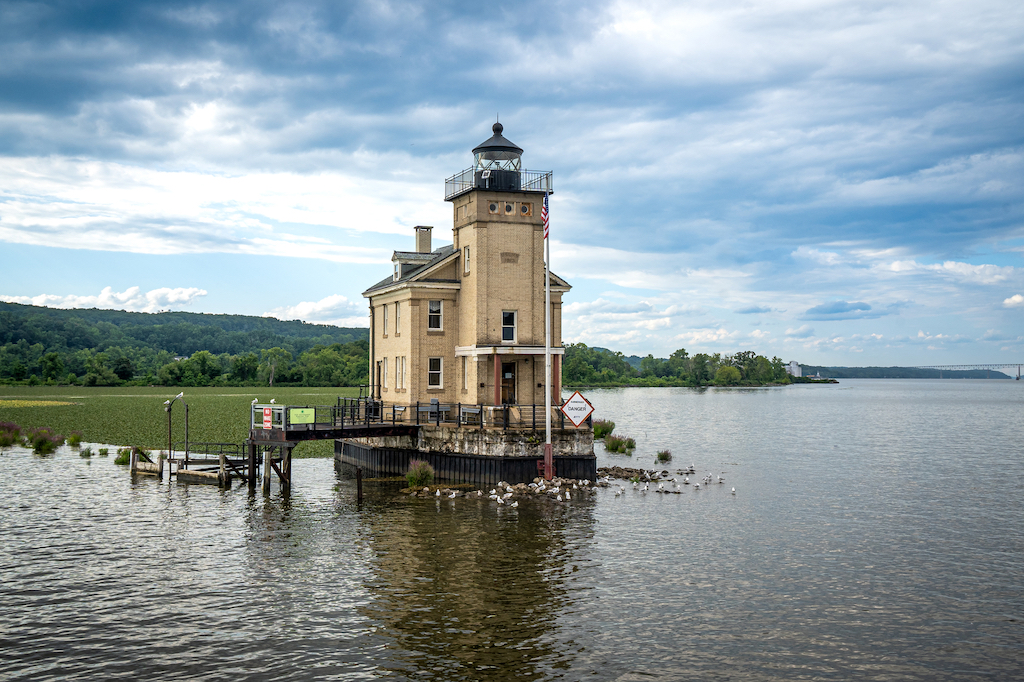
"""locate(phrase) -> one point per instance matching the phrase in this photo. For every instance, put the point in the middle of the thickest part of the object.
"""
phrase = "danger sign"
(577, 409)
(266, 417)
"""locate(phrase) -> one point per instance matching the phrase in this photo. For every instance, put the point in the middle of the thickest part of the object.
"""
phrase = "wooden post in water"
(133, 461)
(286, 470)
(222, 472)
(359, 484)
(251, 471)
(268, 456)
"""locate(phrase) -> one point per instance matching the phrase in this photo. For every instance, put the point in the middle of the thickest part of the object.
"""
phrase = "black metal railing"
(371, 412)
(529, 181)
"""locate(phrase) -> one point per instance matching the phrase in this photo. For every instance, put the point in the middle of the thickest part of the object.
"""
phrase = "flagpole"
(548, 458)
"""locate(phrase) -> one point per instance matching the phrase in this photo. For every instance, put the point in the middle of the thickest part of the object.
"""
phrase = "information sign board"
(577, 409)
(301, 415)
(267, 417)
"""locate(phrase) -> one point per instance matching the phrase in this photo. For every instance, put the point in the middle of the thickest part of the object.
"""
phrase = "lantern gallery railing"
(356, 412)
(529, 181)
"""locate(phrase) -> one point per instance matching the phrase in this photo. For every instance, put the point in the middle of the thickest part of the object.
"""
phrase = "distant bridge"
(1004, 365)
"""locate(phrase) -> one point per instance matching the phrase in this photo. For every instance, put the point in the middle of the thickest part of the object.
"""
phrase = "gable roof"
(412, 271)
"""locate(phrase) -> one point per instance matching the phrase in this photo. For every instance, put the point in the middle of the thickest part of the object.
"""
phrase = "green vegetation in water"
(103, 452)
(664, 456)
(136, 415)
(10, 434)
(44, 441)
(618, 444)
(420, 473)
(85, 452)
(124, 456)
(603, 427)
(75, 439)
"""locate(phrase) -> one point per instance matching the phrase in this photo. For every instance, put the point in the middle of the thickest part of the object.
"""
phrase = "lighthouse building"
(464, 323)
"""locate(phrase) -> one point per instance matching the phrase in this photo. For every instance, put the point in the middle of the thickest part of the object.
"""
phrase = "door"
(508, 383)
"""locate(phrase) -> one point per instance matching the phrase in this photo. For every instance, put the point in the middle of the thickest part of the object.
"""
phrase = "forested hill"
(109, 346)
(900, 373)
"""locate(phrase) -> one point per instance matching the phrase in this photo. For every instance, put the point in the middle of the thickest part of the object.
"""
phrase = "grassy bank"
(136, 416)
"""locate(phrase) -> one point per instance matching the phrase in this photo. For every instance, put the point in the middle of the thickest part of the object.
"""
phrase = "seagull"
(696, 486)
(514, 504)
(438, 493)
(501, 501)
(567, 495)
(734, 491)
(255, 400)
(507, 495)
(494, 491)
(180, 395)
(559, 498)
(452, 496)
(273, 401)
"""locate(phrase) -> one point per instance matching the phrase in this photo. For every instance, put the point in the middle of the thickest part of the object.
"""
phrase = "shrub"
(85, 452)
(664, 456)
(75, 439)
(621, 445)
(44, 441)
(104, 452)
(124, 456)
(10, 433)
(420, 473)
(603, 427)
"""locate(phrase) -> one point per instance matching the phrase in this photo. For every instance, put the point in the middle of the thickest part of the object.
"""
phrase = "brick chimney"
(423, 238)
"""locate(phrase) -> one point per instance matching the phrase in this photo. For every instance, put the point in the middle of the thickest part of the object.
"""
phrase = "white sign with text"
(577, 409)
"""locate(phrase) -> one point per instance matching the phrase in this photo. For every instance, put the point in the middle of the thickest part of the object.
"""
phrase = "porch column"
(556, 379)
(497, 378)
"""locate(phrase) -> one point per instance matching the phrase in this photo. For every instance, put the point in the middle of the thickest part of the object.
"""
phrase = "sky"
(834, 182)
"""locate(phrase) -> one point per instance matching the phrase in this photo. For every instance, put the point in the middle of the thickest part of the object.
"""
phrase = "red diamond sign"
(577, 409)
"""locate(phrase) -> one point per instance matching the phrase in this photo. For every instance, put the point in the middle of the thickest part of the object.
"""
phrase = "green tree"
(53, 366)
(245, 367)
(124, 369)
(275, 363)
(727, 375)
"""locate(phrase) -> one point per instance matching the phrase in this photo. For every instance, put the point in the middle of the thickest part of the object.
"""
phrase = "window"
(435, 375)
(398, 271)
(434, 315)
(398, 372)
(508, 326)
(465, 372)
(384, 331)
(384, 373)
(403, 372)
(465, 260)
(398, 318)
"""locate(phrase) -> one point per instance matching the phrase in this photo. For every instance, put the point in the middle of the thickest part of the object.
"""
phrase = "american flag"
(544, 216)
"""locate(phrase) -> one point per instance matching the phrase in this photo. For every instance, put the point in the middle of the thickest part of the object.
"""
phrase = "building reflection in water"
(461, 589)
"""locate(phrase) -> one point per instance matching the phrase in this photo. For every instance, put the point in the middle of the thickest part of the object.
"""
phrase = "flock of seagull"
(675, 486)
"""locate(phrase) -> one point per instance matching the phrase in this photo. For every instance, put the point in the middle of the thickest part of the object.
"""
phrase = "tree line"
(109, 348)
(584, 366)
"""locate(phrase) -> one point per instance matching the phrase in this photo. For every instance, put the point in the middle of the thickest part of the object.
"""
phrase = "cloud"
(754, 309)
(131, 299)
(801, 332)
(1014, 301)
(837, 308)
(980, 274)
(335, 309)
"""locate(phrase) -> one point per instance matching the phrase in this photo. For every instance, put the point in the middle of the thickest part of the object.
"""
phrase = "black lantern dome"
(497, 163)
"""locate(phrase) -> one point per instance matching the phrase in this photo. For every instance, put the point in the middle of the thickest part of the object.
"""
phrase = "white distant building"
(793, 369)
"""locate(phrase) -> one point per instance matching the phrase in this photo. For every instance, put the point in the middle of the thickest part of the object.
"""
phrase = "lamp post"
(169, 404)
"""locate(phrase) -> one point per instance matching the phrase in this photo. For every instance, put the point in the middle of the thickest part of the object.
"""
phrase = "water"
(876, 533)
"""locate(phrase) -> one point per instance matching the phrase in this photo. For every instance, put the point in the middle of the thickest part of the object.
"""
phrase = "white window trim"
(515, 326)
(465, 260)
(440, 315)
(385, 325)
(384, 373)
(398, 318)
(403, 372)
(465, 372)
(439, 373)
